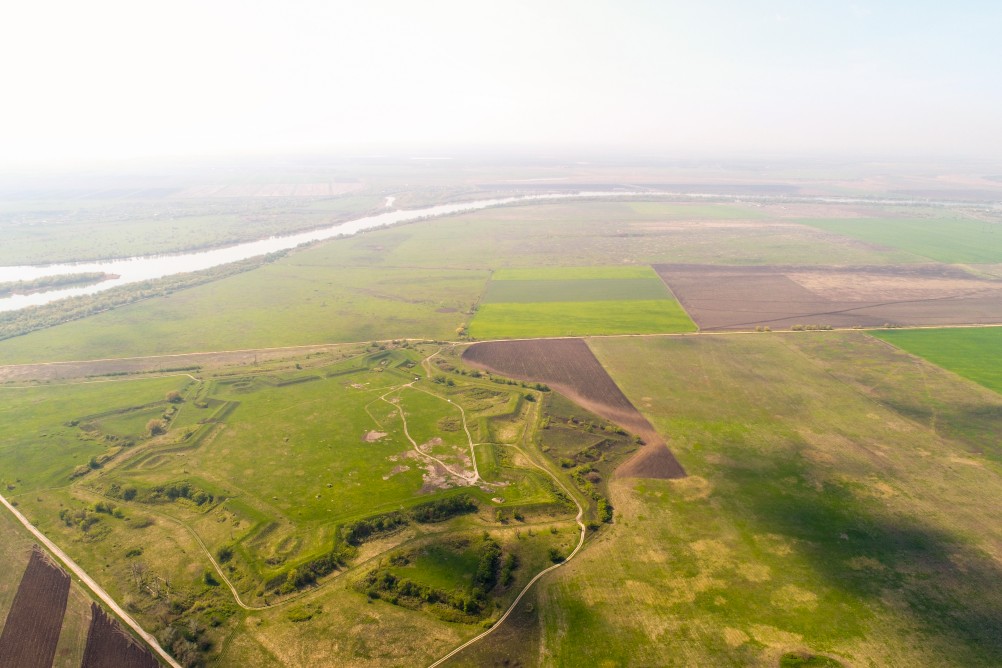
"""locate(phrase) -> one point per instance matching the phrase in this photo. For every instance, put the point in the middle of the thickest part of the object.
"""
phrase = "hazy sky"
(115, 79)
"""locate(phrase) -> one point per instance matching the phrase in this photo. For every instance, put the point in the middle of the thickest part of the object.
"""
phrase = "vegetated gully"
(465, 478)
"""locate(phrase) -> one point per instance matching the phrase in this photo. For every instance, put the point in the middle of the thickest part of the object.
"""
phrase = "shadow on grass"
(949, 588)
(515, 644)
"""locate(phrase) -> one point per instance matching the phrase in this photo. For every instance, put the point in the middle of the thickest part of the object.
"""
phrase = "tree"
(174, 397)
(155, 427)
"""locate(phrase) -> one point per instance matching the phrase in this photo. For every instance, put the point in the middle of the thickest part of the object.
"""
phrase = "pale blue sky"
(123, 78)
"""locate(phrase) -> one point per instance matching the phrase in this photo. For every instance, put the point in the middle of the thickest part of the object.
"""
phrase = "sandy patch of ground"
(373, 436)
(395, 470)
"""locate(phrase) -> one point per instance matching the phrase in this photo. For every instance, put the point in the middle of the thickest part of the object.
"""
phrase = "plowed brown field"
(719, 297)
(569, 367)
(108, 646)
(31, 631)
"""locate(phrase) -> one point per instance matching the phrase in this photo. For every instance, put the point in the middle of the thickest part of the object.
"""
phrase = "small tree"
(155, 427)
(174, 397)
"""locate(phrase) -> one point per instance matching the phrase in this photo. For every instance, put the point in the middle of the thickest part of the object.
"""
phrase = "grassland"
(95, 228)
(974, 353)
(838, 501)
(570, 301)
(799, 527)
(950, 240)
(575, 290)
(258, 477)
(546, 319)
(43, 440)
(623, 272)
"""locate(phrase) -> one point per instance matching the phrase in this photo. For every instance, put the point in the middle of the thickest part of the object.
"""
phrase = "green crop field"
(798, 528)
(575, 290)
(624, 272)
(974, 353)
(573, 301)
(951, 240)
(545, 319)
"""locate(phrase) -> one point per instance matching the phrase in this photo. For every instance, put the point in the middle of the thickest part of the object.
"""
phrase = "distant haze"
(97, 80)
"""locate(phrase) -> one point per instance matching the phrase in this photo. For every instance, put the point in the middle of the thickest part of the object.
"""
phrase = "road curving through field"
(581, 538)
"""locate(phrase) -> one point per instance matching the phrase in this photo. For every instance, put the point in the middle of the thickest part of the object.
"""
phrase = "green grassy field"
(799, 528)
(575, 290)
(41, 444)
(87, 229)
(570, 301)
(545, 319)
(950, 240)
(624, 272)
(296, 301)
(974, 353)
(268, 467)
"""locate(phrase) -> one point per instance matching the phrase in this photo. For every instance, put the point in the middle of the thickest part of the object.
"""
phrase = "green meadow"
(546, 319)
(574, 301)
(258, 476)
(797, 529)
(974, 353)
(950, 240)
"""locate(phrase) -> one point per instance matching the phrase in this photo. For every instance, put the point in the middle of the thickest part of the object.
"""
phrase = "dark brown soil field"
(31, 631)
(721, 297)
(109, 647)
(569, 367)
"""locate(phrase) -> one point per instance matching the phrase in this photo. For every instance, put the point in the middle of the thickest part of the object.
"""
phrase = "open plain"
(333, 458)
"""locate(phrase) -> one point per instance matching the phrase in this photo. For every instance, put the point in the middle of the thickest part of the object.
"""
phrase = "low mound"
(569, 367)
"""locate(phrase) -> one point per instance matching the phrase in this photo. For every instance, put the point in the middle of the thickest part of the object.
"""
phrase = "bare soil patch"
(722, 297)
(31, 631)
(569, 367)
(373, 436)
(108, 646)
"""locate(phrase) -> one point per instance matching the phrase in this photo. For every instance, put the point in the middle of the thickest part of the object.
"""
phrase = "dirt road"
(91, 584)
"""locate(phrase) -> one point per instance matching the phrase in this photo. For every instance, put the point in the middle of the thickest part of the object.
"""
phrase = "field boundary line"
(91, 584)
